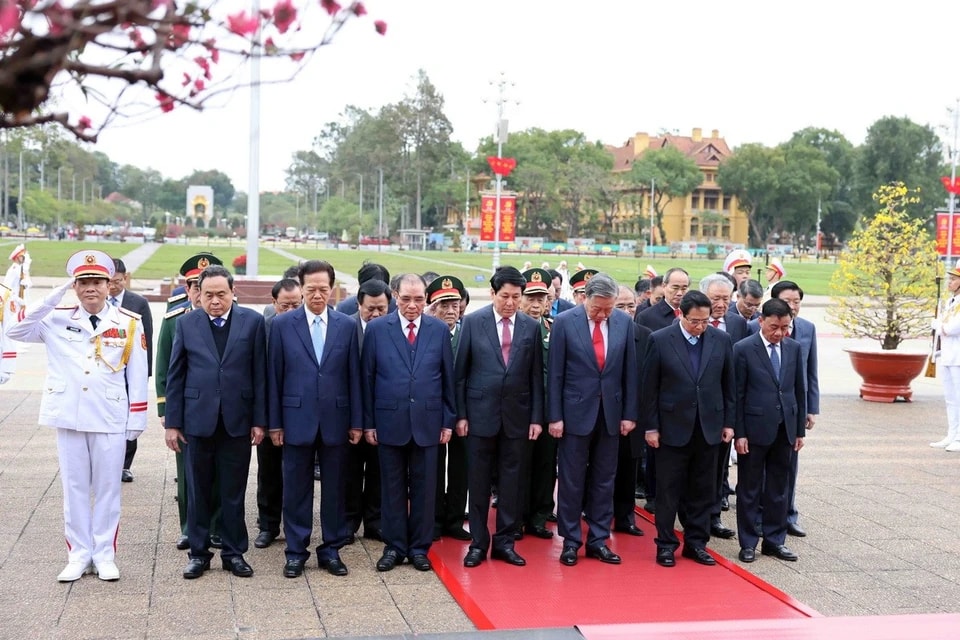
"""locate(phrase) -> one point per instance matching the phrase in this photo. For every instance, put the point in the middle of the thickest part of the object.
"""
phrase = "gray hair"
(751, 288)
(716, 278)
(602, 286)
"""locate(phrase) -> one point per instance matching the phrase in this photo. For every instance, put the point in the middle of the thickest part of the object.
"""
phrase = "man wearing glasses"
(749, 297)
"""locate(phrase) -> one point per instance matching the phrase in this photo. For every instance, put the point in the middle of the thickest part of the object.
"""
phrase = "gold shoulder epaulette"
(175, 312)
(127, 312)
(177, 298)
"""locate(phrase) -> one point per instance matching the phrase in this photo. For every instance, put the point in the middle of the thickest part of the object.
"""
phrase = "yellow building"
(705, 216)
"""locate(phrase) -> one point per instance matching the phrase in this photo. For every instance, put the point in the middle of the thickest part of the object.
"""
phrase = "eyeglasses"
(288, 306)
(750, 305)
(695, 321)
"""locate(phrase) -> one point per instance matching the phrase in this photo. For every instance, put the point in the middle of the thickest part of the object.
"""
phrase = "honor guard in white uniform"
(9, 308)
(95, 396)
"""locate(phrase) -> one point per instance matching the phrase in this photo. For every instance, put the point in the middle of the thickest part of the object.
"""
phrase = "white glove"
(54, 297)
(4, 378)
(133, 435)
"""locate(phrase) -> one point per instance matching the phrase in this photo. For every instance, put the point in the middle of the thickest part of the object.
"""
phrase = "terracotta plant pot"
(886, 374)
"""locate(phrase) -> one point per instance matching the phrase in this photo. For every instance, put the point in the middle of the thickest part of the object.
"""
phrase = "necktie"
(219, 322)
(94, 320)
(598, 349)
(715, 323)
(775, 360)
(693, 340)
(676, 313)
(505, 340)
(316, 333)
(411, 336)
(113, 301)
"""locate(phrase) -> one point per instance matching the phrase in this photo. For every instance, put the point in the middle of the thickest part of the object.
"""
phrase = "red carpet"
(545, 593)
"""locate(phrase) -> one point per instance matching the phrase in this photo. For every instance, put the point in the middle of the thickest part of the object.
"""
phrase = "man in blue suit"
(408, 411)
(217, 405)
(592, 400)
(559, 305)
(313, 382)
(770, 427)
(688, 394)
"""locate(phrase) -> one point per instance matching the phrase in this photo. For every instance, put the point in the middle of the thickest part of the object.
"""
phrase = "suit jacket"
(201, 385)
(407, 397)
(674, 394)
(138, 304)
(306, 396)
(764, 401)
(642, 341)
(736, 326)
(494, 396)
(575, 384)
(562, 305)
(804, 332)
(659, 316)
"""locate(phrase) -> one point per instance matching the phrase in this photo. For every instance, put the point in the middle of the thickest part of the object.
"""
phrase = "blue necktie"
(219, 322)
(775, 360)
(316, 333)
(113, 301)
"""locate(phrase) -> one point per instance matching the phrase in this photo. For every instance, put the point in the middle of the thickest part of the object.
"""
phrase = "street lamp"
(361, 199)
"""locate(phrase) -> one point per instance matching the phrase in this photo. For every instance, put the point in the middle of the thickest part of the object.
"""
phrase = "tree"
(838, 204)
(673, 174)
(805, 177)
(753, 175)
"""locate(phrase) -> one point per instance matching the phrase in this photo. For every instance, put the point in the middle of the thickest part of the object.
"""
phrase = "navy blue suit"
(658, 316)
(363, 475)
(216, 396)
(315, 404)
(408, 398)
(591, 403)
(559, 306)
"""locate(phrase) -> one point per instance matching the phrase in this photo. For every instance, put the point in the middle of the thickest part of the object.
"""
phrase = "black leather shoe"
(238, 567)
(216, 542)
(699, 555)
(183, 543)
(793, 529)
(630, 529)
(650, 506)
(264, 539)
(603, 554)
(719, 531)
(473, 558)
(389, 560)
(421, 562)
(334, 566)
(568, 556)
(518, 534)
(509, 556)
(293, 568)
(665, 558)
(551, 517)
(457, 533)
(778, 551)
(747, 555)
(724, 503)
(372, 534)
(195, 568)
(126, 476)
(639, 493)
(538, 531)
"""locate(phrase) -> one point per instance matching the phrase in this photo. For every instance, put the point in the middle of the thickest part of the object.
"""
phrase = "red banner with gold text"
(508, 217)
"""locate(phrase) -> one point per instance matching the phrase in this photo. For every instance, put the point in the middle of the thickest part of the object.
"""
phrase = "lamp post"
(380, 222)
(951, 207)
(501, 140)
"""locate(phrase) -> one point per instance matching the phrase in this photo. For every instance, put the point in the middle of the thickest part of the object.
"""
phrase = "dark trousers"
(538, 500)
(625, 485)
(451, 484)
(596, 451)
(762, 478)
(408, 476)
(723, 462)
(506, 455)
(298, 462)
(792, 514)
(269, 486)
(182, 498)
(650, 474)
(363, 487)
(130, 453)
(687, 473)
(226, 459)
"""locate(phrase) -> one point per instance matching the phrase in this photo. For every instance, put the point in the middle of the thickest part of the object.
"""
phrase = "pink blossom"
(199, 85)
(358, 9)
(330, 6)
(58, 18)
(380, 26)
(284, 14)
(242, 24)
(211, 46)
(84, 123)
(186, 79)
(165, 100)
(179, 36)
(9, 18)
(297, 56)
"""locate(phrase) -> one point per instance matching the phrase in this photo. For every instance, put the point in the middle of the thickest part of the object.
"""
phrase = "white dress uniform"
(95, 395)
(9, 308)
(947, 329)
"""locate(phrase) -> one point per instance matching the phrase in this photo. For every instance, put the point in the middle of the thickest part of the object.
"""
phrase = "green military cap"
(444, 288)
(578, 281)
(195, 264)
(538, 281)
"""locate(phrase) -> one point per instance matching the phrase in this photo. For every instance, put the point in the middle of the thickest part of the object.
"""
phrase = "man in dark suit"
(592, 400)
(499, 382)
(749, 297)
(363, 462)
(313, 380)
(770, 427)
(217, 405)
(367, 271)
(559, 305)
(408, 411)
(118, 296)
(689, 402)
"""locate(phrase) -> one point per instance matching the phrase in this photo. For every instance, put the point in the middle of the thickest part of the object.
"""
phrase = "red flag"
(951, 186)
(502, 166)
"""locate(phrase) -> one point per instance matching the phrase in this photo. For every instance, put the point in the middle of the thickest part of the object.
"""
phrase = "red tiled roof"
(706, 152)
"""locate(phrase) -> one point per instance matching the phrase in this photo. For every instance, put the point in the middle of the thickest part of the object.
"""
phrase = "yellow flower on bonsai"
(885, 286)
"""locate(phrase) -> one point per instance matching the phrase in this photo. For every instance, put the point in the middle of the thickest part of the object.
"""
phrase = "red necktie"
(505, 341)
(715, 323)
(598, 345)
(676, 313)
(411, 336)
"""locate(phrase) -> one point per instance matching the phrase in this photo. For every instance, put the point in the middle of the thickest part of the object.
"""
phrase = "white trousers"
(90, 468)
(951, 393)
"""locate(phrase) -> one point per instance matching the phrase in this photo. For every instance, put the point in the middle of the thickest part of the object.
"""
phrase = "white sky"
(755, 70)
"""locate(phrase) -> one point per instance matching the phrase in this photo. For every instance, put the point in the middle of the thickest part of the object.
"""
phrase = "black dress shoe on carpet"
(778, 551)
(747, 555)
(334, 566)
(183, 543)
(509, 556)
(551, 517)
(650, 506)
(720, 531)
(603, 554)
(216, 542)
(793, 529)
(293, 568)
(195, 568)
(724, 503)
(568, 556)
(264, 539)
(389, 560)
(238, 567)
(665, 558)
(457, 533)
(538, 531)
(630, 529)
(698, 555)
(473, 558)
(421, 562)
(126, 476)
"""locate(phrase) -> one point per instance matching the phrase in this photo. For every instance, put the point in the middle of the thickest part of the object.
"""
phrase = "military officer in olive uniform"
(578, 282)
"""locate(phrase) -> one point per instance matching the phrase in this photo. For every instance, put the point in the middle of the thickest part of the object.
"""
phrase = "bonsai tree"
(885, 286)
